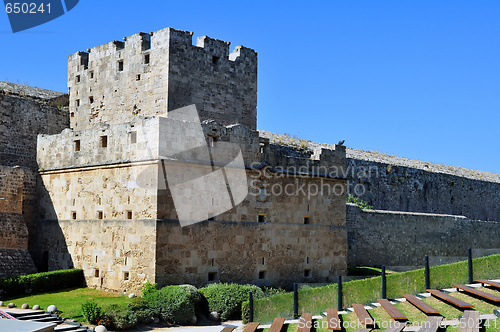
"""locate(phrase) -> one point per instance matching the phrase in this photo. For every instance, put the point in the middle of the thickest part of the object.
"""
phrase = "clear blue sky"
(418, 79)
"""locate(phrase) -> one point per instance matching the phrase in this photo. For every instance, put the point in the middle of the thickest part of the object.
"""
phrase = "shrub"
(122, 318)
(193, 293)
(105, 321)
(226, 299)
(171, 303)
(41, 282)
(91, 311)
(359, 202)
(148, 288)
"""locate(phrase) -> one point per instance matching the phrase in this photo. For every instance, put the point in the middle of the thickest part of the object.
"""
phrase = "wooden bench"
(305, 323)
(487, 282)
(277, 325)
(228, 329)
(450, 299)
(424, 307)
(363, 315)
(391, 310)
(251, 327)
(332, 315)
(431, 324)
(396, 327)
(470, 321)
(481, 294)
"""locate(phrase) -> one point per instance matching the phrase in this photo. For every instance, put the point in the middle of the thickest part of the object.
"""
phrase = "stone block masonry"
(26, 112)
(154, 73)
(15, 262)
(402, 239)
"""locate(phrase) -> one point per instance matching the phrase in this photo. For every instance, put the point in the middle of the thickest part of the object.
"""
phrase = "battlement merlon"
(150, 74)
(141, 42)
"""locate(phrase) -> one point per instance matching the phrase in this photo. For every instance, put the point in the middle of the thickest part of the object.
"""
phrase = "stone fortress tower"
(120, 98)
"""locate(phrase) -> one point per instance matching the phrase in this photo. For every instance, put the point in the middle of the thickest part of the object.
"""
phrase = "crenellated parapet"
(150, 74)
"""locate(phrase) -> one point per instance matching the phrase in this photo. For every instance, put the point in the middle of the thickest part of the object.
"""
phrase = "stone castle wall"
(116, 255)
(266, 253)
(400, 184)
(22, 117)
(155, 73)
(401, 240)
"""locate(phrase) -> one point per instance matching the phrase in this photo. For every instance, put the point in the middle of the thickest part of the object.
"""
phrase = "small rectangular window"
(129, 214)
(77, 102)
(307, 220)
(263, 261)
(99, 215)
(77, 145)
(104, 141)
(77, 79)
(91, 74)
(146, 59)
(133, 137)
(91, 99)
(262, 218)
(307, 273)
(126, 275)
(96, 273)
(138, 77)
(215, 59)
(212, 276)
(262, 274)
(73, 215)
(120, 65)
(72, 114)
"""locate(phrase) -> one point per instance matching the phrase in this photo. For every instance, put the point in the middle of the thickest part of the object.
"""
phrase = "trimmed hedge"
(364, 291)
(171, 303)
(41, 282)
(226, 299)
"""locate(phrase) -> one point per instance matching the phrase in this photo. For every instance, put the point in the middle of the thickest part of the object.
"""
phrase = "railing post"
(250, 307)
(339, 295)
(470, 266)
(295, 301)
(427, 273)
(384, 286)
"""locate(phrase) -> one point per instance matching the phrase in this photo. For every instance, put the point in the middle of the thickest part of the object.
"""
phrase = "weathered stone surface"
(16, 262)
(100, 328)
(25, 306)
(36, 307)
(11, 305)
(402, 239)
(52, 308)
(173, 71)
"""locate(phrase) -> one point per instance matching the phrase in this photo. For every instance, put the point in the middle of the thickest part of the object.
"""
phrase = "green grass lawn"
(69, 301)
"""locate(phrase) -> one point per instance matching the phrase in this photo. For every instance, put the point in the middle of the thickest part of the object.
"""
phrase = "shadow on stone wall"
(50, 251)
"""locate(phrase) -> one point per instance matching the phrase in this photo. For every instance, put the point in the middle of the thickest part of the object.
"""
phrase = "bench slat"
(251, 327)
(228, 329)
(450, 299)
(488, 282)
(427, 309)
(277, 325)
(363, 315)
(470, 321)
(391, 310)
(306, 320)
(431, 324)
(479, 293)
(332, 316)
